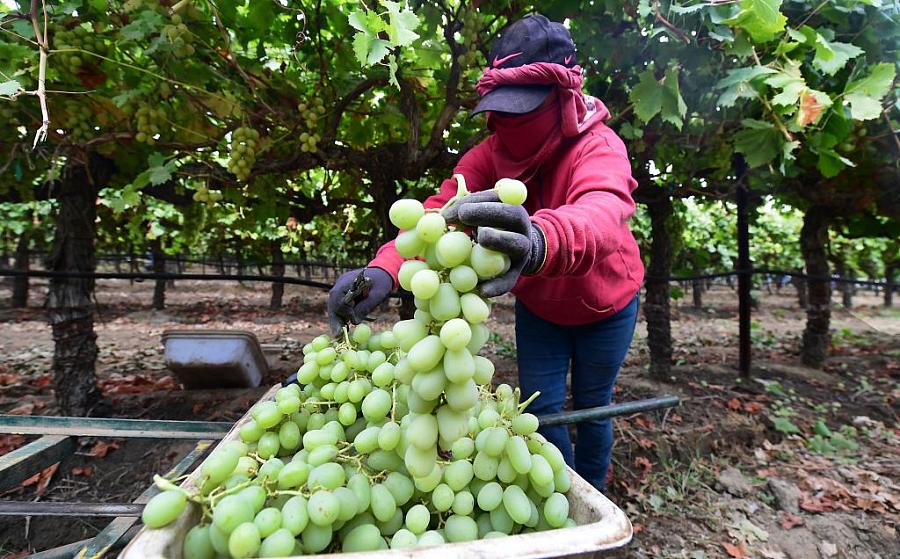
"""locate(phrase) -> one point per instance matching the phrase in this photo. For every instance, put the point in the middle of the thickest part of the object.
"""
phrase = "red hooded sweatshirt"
(580, 197)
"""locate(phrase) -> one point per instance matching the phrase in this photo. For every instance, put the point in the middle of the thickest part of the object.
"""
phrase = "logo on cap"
(567, 60)
(498, 61)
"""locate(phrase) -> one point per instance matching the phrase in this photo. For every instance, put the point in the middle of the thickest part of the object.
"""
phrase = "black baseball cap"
(534, 38)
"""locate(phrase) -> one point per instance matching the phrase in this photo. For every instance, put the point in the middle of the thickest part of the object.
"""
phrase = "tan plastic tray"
(601, 526)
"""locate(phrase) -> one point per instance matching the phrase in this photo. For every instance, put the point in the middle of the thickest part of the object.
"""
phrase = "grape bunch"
(79, 38)
(244, 148)
(78, 120)
(471, 27)
(390, 439)
(150, 121)
(180, 37)
(131, 6)
(204, 194)
(310, 113)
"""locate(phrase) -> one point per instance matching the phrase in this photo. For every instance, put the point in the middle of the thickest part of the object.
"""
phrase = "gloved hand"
(339, 313)
(504, 228)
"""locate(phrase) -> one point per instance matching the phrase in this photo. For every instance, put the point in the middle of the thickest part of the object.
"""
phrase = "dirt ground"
(792, 463)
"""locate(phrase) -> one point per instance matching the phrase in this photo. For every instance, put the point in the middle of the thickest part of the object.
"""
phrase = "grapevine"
(390, 439)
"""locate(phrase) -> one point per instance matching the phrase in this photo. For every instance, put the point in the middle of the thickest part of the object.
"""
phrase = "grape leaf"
(361, 44)
(392, 67)
(402, 23)
(377, 51)
(674, 108)
(737, 84)
(832, 56)
(9, 87)
(760, 18)
(142, 26)
(647, 96)
(644, 9)
(760, 142)
(864, 95)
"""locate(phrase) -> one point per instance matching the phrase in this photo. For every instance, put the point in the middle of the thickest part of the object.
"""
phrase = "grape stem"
(530, 399)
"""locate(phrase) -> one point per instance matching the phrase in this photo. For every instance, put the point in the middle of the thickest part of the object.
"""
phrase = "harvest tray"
(601, 526)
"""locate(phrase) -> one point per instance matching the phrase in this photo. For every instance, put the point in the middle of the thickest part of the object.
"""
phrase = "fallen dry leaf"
(86, 471)
(101, 449)
(790, 520)
(42, 479)
(643, 463)
(736, 551)
(9, 443)
(22, 409)
(753, 407)
(734, 404)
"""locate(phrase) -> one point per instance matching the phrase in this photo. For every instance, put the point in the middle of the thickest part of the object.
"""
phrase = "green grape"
(419, 462)
(442, 497)
(219, 466)
(329, 475)
(517, 504)
(540, 474)
(409, 245)
(365, 537)
(423, 431)
(230, 512)
(453, 249)
(417, 404)
(501, 520)
(268, 415)
(460, 529)
(244, 541)
(431, 537)
(458, 474)
(308, 372)
(474, 308)
(458, 365)
(463, 503)
(404, 214)
(316, 538)
(403, 539)
(268, 445)
(561, 480)
(358, 390)
(455, 334)
(400, 486)
(553, 455)
(383, 375)
(519, 456)
(289, 435)
(163, 508)
(488, 417)
(430, 227)
(321, 342)
(445, 303)
(271, 468)
(487, 263)
(417, 519)
(461, 395)
(278, 544)
(326, 356)
(377, 404)
(197, 544)
(294, 474)
(511, 191)
(218, 539)
(362, 489)
(496, 440)
(480, 335)
(267, 521)
(318, 437)
(323, 508)
(525, 424)
(367, 440)
(294, 516)
(430, 385)
(287, 406)
(382, 503)
(485, 466)
(463, 278)
(423, 316)
(424, 284)
(340, 371)
(409, 332)
(426, 354)
(347, 414)
(452, 424)
(490, 496)
(427, 483)
(349, 505)
(255, 496)
(463, 448)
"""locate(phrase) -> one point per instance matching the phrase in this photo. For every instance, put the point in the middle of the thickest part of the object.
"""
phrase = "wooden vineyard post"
(745, 268)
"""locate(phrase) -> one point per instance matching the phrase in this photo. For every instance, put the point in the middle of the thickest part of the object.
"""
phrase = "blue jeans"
(596, 352)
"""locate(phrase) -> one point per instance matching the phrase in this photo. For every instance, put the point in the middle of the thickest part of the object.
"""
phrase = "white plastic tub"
(215, 358)
(601, 526)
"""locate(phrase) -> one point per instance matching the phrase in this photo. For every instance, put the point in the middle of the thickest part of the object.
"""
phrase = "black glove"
(339, 312)
(504, 228)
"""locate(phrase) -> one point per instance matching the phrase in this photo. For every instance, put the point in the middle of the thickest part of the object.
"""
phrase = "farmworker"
(576, 270)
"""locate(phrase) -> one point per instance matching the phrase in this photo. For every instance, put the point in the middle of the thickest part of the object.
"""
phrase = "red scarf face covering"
(525, 141)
